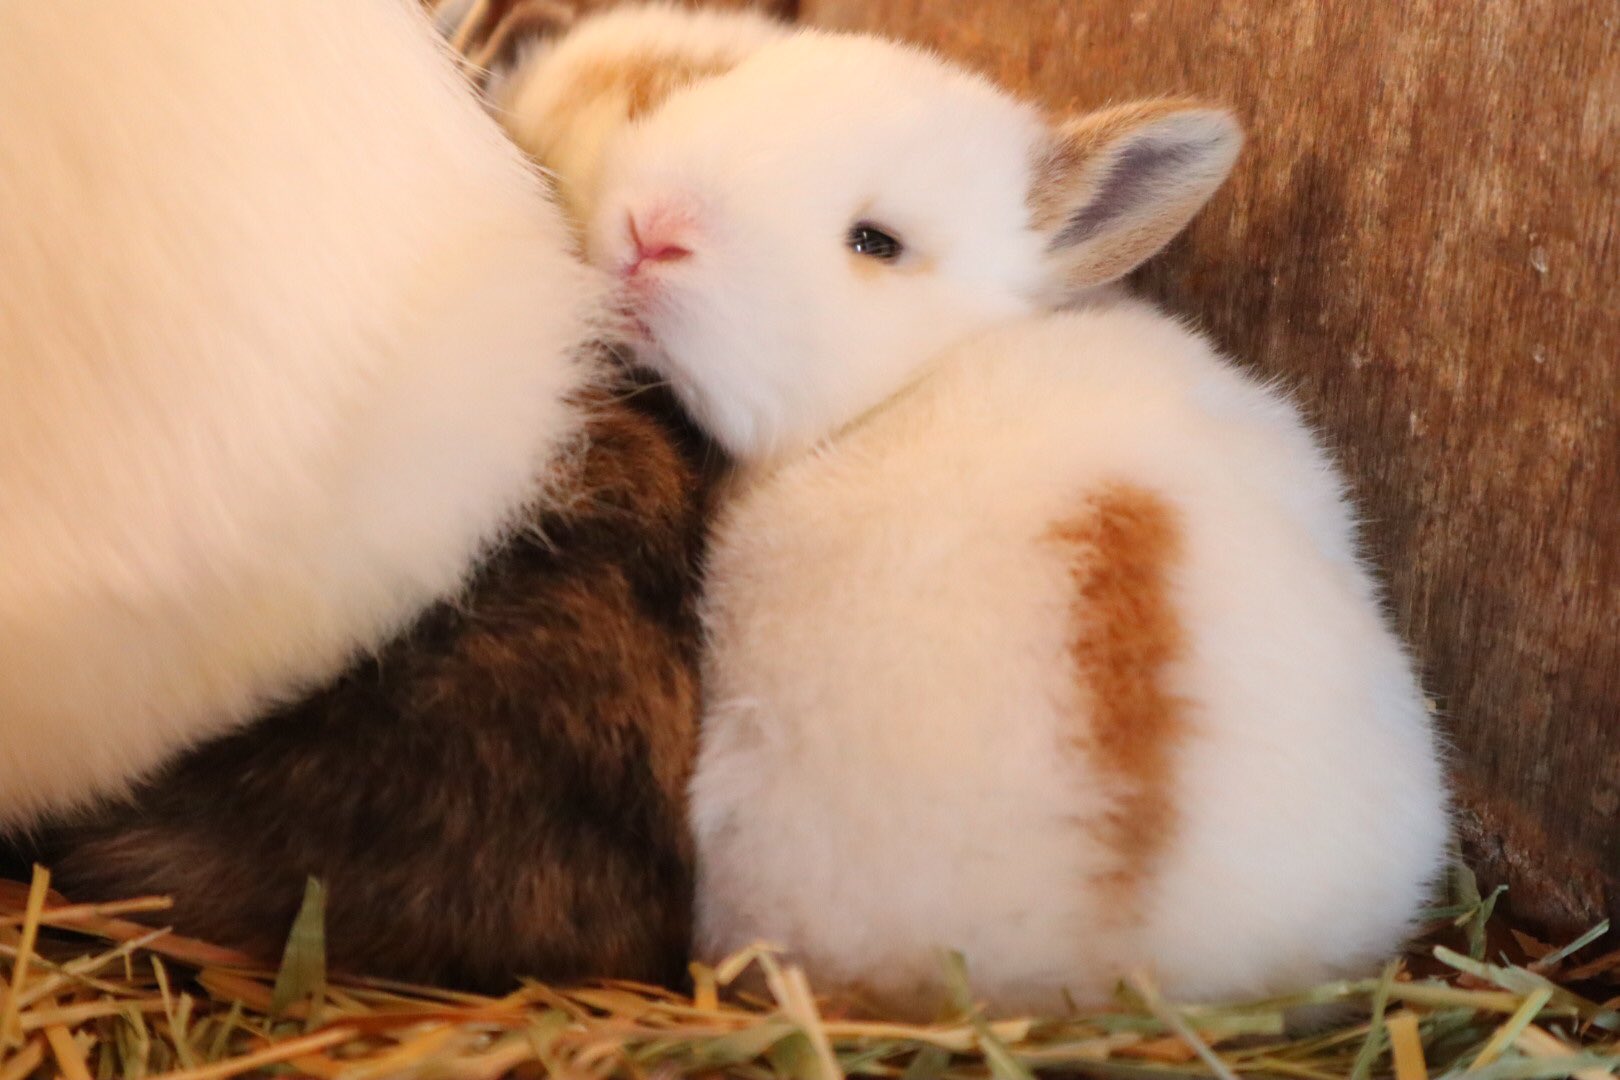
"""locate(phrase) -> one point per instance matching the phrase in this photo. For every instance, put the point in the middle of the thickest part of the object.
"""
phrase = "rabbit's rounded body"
(1063, 658)
(1035, 630)
(288, 336)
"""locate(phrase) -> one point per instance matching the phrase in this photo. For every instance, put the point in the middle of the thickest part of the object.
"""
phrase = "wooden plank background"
(1422, 239)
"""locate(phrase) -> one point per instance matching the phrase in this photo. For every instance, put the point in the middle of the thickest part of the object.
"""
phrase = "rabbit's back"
(1067, 651)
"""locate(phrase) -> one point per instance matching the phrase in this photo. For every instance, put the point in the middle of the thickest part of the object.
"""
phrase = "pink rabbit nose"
(654, 236)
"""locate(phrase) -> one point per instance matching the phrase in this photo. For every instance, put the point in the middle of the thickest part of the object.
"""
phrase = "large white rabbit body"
(287, 330)
(1038, 634)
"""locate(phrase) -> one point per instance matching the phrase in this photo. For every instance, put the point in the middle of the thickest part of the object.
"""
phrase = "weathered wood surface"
(1422, 239)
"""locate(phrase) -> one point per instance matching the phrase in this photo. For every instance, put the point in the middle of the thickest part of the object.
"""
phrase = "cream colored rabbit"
(1037, 629)
(289, 334)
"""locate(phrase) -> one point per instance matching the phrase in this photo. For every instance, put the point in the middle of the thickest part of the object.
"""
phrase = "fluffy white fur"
(567, 98)
(770, 165)
(286, 331)
(895, 753)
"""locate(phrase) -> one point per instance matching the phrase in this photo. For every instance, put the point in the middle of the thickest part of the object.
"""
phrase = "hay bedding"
(85, 992)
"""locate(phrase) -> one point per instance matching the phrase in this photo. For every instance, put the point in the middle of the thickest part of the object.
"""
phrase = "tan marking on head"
(643, 80)
(658, 77)
(1127, 638)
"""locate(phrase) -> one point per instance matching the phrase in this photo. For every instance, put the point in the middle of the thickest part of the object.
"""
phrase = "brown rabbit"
(501, 792)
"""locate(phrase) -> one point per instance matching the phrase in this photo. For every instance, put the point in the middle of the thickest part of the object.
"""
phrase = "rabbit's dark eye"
(867, 239)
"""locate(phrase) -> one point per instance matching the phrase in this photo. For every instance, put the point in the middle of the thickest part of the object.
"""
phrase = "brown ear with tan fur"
(1115, 186)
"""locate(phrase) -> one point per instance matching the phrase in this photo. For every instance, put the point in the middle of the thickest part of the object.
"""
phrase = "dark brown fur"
(501, 792)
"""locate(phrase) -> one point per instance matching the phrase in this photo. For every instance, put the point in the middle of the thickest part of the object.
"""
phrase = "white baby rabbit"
(1037, 630)
(288, 330)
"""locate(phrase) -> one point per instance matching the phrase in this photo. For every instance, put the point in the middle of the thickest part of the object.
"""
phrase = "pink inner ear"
(1129, 181)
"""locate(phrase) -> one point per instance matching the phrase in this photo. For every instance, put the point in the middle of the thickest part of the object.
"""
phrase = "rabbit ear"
(1113, 187)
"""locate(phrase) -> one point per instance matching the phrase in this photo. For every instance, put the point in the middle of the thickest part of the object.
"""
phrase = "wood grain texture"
(1421, 238)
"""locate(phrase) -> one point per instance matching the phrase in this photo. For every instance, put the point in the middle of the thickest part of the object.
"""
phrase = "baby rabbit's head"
(800, 236)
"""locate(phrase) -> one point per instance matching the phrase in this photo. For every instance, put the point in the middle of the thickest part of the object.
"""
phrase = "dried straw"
(88, 993)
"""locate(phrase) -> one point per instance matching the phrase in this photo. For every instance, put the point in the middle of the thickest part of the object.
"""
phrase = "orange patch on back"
(1127, 637)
